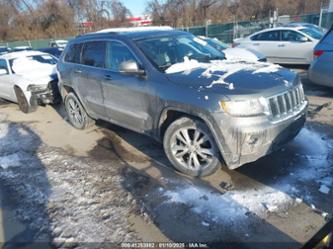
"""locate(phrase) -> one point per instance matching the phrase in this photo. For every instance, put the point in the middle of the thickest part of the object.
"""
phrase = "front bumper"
(245, 140)
(43, 97)
(49, 95)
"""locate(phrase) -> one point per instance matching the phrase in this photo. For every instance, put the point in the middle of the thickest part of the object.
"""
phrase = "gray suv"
(176, 88)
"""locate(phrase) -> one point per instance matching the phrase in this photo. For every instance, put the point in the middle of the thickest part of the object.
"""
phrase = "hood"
(232, 77)
(242, 54)
(36, 72)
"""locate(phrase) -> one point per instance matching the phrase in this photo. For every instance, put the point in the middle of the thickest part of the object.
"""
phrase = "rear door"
(267, 44)
(294, 49)
(89, 75)
(126, 99)
(6, 82)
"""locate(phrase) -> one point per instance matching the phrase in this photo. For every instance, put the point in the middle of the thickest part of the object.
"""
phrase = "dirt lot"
(61, 187)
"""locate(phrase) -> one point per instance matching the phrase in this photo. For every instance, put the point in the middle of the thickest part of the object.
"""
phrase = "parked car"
(306, 25)
(22, 48)
(235, 53)
(28, 78)
(166, 84)
(56, 52)
(284, 45)
(321, 69)
(58, 44)
(4, 50)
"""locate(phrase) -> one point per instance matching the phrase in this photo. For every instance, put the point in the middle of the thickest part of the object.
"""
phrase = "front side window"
(73, 54)
(3, 66)
(164, 52)
(117, 53)
(267, 36)
(292, 36)
(93, 54)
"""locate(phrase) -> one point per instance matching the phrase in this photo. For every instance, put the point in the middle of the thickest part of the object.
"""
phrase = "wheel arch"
(170, 114)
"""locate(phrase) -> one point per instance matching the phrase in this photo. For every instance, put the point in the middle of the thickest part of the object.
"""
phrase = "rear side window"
(74, 53)
(117, 53)
(93, 54)
(267, 36)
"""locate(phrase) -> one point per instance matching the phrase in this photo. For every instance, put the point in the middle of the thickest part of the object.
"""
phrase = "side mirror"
(130, 67)
(3, 71)
(304, 39)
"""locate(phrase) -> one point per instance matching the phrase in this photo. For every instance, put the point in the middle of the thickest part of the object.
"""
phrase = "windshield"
(217, 44)
(316, 34)
(62, 44)
(164, 52)
(45, 58)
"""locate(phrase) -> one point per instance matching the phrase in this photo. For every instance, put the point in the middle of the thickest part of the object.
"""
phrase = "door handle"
(77, 71)
(108, 77)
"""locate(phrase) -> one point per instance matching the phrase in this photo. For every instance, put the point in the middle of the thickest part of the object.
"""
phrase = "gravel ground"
(63, 198)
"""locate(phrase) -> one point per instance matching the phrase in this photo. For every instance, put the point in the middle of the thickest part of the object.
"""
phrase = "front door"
(126, 98)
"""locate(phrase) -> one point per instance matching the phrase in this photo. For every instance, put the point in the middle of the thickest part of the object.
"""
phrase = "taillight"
(318, 53)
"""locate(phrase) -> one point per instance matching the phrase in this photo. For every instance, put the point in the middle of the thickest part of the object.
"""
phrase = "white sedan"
(28, 78)
(284, 45)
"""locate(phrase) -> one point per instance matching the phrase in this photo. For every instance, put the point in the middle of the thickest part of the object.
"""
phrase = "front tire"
(190, 147)
(22, 101)
(77, 115)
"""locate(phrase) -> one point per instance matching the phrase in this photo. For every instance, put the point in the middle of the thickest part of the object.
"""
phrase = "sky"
(137, 7)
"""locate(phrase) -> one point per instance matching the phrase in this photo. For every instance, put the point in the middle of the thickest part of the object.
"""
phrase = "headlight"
(246, 108)
(36, 88)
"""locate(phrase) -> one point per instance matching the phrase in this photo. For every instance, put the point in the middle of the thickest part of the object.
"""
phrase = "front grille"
(287, 102)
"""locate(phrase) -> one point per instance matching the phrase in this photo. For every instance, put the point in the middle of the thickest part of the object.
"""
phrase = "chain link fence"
(226, 32)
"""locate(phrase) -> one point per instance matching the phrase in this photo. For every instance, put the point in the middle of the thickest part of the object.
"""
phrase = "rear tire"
(190, 147)
(77, 115)
(22, 101)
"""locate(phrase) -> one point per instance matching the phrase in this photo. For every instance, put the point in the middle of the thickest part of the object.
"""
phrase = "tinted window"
(74, 53)
(289, 35)
(3, 65)
(93, 54)
(316, 34)
(117, 54)
(267, 36)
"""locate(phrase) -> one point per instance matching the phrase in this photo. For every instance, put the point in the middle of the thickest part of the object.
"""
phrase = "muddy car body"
(205, 109)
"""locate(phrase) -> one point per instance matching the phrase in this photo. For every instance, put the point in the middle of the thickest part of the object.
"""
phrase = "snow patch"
(187, 65)
(230, 206)
(324, 189)
(222, 69)
(8, 161)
